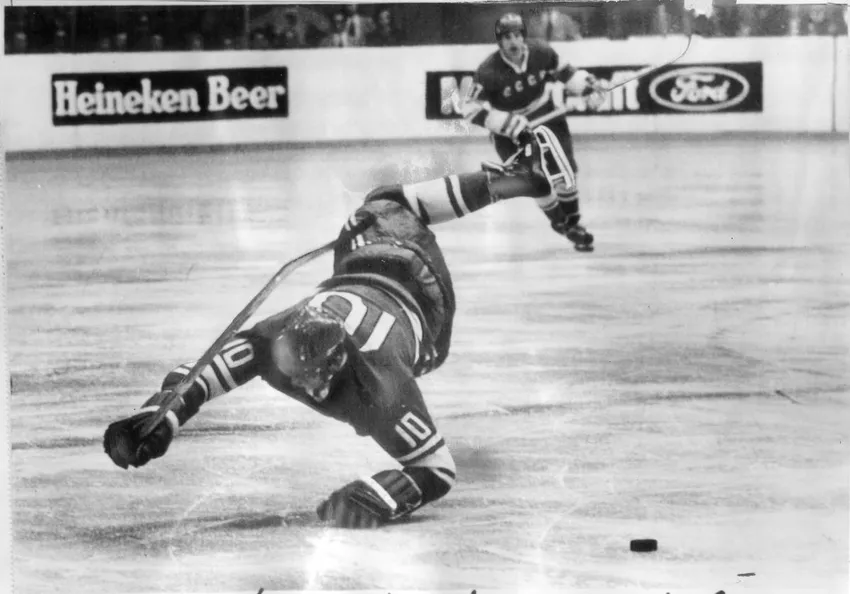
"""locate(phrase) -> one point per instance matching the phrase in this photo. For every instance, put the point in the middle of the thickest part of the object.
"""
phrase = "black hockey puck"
(643, 545)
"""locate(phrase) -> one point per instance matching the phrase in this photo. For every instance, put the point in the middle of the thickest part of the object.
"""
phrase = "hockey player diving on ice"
(354, 347)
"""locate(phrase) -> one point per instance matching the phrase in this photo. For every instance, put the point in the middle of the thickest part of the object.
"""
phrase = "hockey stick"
(206, 359)
(639, 74)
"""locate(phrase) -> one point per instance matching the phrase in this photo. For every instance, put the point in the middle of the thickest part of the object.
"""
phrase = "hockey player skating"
(513, 86)
(352, 349)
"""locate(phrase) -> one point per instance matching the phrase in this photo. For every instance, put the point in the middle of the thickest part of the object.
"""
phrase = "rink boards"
(66, 101)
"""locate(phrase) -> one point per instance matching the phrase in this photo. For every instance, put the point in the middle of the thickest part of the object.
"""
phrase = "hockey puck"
(643, 545)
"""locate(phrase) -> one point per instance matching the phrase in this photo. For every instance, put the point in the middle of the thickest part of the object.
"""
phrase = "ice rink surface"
(686, 382)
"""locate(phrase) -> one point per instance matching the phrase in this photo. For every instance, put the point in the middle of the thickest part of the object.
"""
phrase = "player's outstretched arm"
(428, 474)
(234, 366)
(407, 432)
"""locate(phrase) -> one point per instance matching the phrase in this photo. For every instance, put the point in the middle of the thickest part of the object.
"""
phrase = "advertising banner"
(678, 89)
(168, 96)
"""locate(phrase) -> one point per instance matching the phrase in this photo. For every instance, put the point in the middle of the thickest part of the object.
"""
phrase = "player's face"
(317, 382)
(309, 364)
(512, 45)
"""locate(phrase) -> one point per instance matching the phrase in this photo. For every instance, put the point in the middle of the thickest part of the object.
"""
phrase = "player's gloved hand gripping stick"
(172, 397)
(639, 74)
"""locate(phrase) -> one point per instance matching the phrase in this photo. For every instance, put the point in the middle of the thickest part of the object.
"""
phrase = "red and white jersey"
(376, 393)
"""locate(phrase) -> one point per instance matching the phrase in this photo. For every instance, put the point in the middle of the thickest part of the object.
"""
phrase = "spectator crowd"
(79, 29)
(178, 28)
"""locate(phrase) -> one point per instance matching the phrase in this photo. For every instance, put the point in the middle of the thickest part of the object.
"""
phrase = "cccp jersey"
(520, 89)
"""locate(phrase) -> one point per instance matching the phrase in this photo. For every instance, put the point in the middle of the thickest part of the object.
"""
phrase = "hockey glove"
(372, 502)
(595, 100)
(596, 94)
(524, 138)
(518, 130)
(124, 444)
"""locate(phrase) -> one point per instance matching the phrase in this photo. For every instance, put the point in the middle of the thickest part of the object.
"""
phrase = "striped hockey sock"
(449, 197)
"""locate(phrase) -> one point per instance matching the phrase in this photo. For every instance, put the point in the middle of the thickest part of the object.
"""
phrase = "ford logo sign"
(699, 89)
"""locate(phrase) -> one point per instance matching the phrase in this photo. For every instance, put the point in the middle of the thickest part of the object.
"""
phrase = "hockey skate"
(581, 238)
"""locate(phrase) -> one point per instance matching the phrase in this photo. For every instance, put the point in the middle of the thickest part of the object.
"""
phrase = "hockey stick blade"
(638, 75)
(249, 310)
